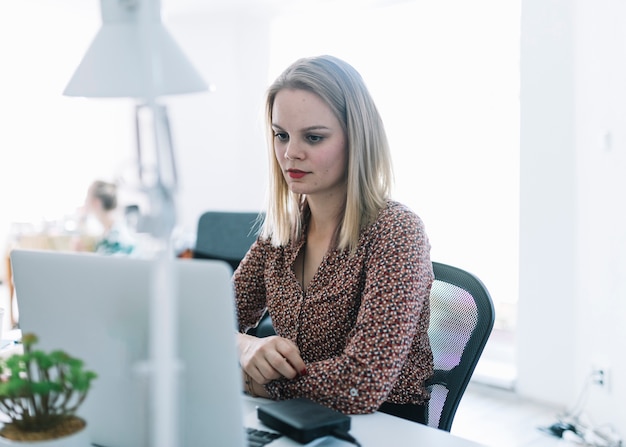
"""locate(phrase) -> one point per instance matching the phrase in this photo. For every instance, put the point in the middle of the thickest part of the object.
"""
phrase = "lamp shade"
(133, 56)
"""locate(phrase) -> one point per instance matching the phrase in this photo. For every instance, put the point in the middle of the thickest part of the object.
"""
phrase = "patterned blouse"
(362, 325)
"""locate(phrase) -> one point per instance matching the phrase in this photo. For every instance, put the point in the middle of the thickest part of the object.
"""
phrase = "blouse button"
(354, 392)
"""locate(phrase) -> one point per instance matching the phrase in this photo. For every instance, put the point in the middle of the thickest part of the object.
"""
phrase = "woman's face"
(92, 203)
(310, 144)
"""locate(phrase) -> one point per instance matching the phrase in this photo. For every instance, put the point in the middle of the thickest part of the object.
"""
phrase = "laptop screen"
(97, 308)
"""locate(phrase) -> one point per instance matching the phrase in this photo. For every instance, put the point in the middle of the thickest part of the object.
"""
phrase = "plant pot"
(79, 438)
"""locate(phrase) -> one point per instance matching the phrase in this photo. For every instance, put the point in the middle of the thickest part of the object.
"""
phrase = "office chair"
(461, 319)
(225, 236)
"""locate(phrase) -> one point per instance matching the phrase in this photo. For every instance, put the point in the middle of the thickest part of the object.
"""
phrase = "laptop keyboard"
(259, 438)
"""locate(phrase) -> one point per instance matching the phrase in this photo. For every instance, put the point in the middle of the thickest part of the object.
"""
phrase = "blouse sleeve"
(397, 275)
(249, 285)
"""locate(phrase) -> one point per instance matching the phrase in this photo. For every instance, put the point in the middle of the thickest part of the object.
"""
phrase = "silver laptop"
(97, 308)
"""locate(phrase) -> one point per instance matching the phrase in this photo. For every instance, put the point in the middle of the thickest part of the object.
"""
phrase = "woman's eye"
(314, 138)
(281, 136)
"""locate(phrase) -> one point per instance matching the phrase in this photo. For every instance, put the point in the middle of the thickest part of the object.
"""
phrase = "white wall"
(219, 136)
(547, 309)
(573, 212)
(51, 147)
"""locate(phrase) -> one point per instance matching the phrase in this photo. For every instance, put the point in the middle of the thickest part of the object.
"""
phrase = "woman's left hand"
(269, 358)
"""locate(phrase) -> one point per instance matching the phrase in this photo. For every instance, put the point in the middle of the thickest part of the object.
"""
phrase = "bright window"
(445, 76)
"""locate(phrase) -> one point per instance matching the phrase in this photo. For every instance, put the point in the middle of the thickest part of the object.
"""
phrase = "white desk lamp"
(133, 56)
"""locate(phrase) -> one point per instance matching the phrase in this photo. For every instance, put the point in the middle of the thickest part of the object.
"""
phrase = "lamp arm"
(160, 182)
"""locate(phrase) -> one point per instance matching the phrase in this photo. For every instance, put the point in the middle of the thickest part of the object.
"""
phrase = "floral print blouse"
(361, 326)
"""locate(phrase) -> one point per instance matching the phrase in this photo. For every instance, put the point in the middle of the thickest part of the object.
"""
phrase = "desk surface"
(371, 430)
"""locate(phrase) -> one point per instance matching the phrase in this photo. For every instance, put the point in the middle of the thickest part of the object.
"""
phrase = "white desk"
(371, 430)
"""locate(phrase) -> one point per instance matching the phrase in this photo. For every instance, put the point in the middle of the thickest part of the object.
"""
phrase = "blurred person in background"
(102, 203)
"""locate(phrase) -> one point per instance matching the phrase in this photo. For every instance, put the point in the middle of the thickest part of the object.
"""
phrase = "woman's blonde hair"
(369, 175)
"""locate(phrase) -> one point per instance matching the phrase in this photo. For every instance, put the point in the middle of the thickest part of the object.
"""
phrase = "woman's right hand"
(269, 358)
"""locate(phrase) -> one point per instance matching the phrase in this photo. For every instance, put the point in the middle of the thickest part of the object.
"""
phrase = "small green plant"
(39, 390)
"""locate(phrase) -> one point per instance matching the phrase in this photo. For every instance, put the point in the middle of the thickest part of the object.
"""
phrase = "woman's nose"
(293, 152)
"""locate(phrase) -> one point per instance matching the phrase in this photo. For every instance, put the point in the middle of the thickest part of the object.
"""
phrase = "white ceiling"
(191, 6)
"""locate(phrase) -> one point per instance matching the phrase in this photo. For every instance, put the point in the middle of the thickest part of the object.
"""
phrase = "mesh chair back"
(462, 317)
(225, 236)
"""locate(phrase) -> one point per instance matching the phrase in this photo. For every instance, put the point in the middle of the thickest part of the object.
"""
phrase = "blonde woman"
(343, 270)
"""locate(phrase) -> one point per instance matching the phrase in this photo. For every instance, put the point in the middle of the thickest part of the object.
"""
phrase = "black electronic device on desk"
(303, 420)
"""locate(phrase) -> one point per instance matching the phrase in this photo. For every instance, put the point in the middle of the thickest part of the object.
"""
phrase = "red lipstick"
(295, 173)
